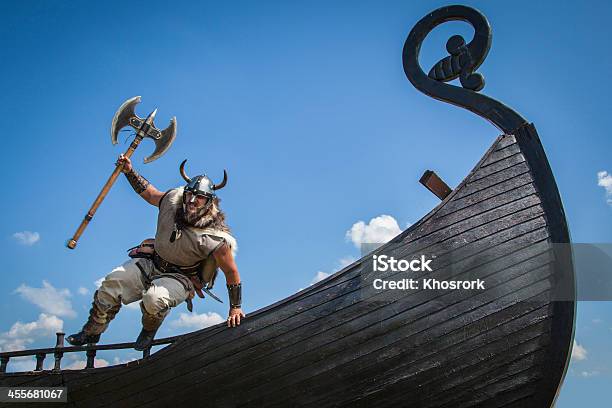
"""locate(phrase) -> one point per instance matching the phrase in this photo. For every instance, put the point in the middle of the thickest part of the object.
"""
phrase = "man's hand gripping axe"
(144, 128)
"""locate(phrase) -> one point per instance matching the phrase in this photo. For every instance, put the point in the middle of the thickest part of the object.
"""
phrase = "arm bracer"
(235, 295)
(138, 182)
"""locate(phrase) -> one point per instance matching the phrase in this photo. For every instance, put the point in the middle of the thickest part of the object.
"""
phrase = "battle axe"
(125, 116)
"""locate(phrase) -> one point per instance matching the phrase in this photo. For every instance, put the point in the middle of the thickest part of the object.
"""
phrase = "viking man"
(192, 240)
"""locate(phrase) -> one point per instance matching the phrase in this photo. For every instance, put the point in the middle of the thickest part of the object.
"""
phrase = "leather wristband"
(138, 182)
(235, 295)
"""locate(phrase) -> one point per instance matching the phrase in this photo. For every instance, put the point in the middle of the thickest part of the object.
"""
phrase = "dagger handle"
(102, 195)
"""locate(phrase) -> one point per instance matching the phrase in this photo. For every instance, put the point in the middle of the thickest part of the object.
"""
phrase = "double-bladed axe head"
(125, 116)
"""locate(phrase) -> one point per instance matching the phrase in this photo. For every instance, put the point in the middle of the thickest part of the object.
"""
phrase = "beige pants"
(127, 284)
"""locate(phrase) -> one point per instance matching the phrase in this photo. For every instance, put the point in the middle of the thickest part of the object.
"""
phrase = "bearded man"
(191, 241)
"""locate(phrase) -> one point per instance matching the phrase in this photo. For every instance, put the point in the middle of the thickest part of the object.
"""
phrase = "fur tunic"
(195, 244)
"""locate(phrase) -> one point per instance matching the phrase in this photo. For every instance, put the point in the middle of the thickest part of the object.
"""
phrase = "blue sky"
(307, 106)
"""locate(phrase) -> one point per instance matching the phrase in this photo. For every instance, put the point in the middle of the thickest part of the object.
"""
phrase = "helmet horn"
(223, 183)
(182, 170)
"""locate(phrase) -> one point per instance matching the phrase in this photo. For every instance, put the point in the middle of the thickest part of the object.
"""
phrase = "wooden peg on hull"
(435, 184)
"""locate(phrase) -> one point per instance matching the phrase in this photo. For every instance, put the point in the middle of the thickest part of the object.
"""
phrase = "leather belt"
(168, 267)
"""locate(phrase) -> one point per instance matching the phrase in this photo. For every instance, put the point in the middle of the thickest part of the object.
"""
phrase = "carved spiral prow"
(462, 63)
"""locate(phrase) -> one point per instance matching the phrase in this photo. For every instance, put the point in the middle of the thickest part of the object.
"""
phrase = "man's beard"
(212, 217)
(198, 218)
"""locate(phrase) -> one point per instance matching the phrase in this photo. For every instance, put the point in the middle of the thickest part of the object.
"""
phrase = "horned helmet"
(200, 185)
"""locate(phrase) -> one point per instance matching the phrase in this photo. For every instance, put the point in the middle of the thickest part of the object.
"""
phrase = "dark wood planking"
(498, 166)
(309, 329)
(500, 154)
(297, 381)
(364, 363)
(480, 373)
(438, 378)
(505, 141)
(420, 370)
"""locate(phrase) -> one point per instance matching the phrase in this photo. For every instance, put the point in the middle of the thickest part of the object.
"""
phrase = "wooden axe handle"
(101, 196)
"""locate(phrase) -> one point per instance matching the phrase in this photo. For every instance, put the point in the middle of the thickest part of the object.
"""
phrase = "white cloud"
(20, 364)
(579, 353)
(80, 364)
(342, 262)
(587, 374)
(597, 320)
(98, 283)
(378, 231)
(27, 363)
(196, 321)
(319, 277)
(83, 291)
(346, 261)
(21, 334)
(48, 298)
(605, 180)
(28, 238)
(117, 360)
(75, 361)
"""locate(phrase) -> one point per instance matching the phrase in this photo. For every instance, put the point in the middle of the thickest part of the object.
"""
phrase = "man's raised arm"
(141, 185)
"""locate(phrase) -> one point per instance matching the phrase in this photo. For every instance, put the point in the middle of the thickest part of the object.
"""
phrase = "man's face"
(193, 203)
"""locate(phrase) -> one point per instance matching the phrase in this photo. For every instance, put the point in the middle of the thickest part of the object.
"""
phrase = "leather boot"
(150, 324)
(96, 324)
(81, 338)
(145, 339)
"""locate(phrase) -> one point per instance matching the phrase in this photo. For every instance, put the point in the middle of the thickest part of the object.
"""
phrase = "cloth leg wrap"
(100, 316)
(151, 322)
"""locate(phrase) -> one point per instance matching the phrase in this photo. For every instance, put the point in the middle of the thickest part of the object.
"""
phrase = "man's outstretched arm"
(141, 185)
(225, 260)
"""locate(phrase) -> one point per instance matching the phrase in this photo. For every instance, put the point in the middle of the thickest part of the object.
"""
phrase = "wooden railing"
(59, 350)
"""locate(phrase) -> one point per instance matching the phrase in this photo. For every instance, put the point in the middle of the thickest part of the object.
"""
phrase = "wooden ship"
(338, 343)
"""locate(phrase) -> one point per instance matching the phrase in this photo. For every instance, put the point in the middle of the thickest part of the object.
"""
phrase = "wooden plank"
(501, 154)
(506, 174)
(480, 184)
(497, 167)
(492, 191)
(505, 141)
(513, 200)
